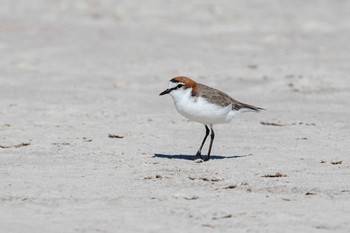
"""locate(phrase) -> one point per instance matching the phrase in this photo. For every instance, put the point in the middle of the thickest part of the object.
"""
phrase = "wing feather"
(220, 98)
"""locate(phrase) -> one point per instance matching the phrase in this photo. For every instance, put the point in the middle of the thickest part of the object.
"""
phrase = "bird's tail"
(247, 107)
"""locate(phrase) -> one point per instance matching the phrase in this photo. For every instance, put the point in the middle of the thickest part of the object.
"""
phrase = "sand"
(74, 72)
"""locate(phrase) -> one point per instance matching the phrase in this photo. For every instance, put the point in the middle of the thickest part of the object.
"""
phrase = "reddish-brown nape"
(188, 82)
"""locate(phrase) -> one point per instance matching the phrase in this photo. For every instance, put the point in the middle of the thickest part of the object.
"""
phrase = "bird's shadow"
(191, 157)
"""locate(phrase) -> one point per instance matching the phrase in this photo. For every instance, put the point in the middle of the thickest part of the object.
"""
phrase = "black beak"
(167, 91)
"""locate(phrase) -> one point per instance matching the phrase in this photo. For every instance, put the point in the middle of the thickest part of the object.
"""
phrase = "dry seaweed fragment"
(310, 193)
(15, 146)
(114, 136)
(271, 123)
(278, 174)
(336, 162)
(230, 187)
(225, 216)
(191, 198)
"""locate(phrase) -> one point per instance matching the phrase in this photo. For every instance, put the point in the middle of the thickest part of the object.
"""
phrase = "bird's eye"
(179, 86)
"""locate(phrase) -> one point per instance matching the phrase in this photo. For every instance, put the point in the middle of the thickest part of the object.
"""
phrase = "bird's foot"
(199, 158)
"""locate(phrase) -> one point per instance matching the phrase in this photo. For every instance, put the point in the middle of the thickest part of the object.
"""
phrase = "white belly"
(199, 110)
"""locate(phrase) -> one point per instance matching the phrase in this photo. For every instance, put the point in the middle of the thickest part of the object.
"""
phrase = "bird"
(206, 105)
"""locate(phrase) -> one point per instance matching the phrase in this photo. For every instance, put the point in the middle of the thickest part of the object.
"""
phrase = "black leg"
(199, 152)
(212, 136)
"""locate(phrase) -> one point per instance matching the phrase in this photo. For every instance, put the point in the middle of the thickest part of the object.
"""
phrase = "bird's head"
(180, 84)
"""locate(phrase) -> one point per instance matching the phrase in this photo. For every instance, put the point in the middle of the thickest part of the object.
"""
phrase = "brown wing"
(220, 98)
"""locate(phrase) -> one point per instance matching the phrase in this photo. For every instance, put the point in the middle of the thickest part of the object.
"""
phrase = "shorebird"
(206, 105)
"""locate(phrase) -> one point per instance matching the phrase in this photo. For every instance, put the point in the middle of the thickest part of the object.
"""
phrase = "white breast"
(199, 109)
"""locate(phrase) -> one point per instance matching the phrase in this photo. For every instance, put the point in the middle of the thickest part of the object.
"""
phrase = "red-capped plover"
(206, 105)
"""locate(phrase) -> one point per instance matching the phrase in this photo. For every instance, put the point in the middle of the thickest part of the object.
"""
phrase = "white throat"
(181, 95)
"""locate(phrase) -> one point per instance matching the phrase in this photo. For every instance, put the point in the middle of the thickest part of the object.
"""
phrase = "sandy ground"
(73, 72)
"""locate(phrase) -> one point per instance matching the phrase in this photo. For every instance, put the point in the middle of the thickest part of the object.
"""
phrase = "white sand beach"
(88, 145)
